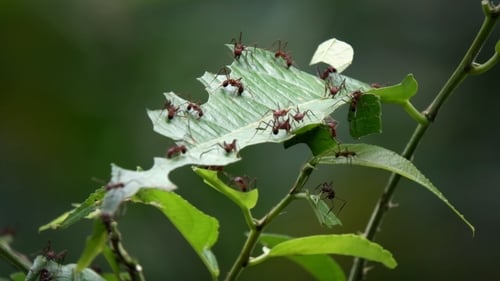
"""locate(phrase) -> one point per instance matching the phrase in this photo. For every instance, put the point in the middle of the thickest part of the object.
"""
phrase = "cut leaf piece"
(54, 271)
(334, 52)
(321, 267)
(344, 244)
(365, 116)
(245, 200)
(200, 230)
(378, 157)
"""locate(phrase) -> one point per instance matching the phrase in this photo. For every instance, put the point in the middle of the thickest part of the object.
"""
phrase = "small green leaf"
(344, 244)
(200, 230)
(321, 267)
(323, 212)
(316, 136)
(334, 52)
(365, 117)
(245, 200)
(381, 158)
(17, 276)
(94, 246)
(399, 93)
(81, 211)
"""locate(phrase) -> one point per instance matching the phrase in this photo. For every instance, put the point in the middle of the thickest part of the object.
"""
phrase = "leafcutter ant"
(376, 85)
(176, 150)
(238, 47)
(299, 116)
(227, 147)
(326, 190)
(112, 185)
(326, 73)
(171, 109)
(346, 153)
(355, 96)
(44, 275)
(50, 254)
(277, 113)
(280, 53)
(332, 127)
(277, 125)
(231, 82)
(331, 90)
(195, 107)
(243, 183)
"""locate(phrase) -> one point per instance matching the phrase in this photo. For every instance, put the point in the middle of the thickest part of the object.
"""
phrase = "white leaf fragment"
(334, 52)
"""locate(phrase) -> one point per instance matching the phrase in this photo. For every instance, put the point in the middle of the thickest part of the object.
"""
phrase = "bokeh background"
(76, 78)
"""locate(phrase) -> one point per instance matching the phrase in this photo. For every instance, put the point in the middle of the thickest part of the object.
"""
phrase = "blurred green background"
(76, 78)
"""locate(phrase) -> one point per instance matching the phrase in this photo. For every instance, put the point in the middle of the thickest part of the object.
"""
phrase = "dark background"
(76, 78)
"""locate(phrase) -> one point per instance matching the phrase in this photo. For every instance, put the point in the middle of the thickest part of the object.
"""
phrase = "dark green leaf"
(365, 118)
(381, 158)
(200, 230)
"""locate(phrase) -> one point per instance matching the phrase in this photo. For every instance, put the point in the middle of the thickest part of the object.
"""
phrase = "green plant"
(269, 84)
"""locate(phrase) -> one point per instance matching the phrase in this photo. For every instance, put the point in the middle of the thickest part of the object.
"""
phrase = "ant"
(376, 85)
(326, 73)
(326, 189)
(277, 113)
(277, 125)
(238, 47)
(116, 185)
(346, 153)
(176, 150)
(44, 275)
(332, 127)
(230, 81)
(214, 168)
(243, 183)
(50, 254)
(333, 90)
(171, 109)
(355, 97)
(281, 53)
(229, 147)
(196, 107)
(299, 116)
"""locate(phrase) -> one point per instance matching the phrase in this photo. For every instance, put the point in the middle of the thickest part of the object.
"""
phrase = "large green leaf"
(378, 157)
(200, 230)
(321, 267)
(343, 244)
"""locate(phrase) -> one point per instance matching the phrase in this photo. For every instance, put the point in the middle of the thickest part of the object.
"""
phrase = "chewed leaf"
(51, 270)
(378, 157)
(321, 267)
(334, 52)
(245, 200)
(365, 118)
(323, 212)
(200, 230)
(344, 244)
(399, 93)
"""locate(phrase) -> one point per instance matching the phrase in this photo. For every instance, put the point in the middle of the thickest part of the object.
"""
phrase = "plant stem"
(20, 261)
(461, 72)
(255, 231)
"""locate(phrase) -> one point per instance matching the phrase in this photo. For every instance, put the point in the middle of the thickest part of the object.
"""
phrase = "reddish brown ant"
(376, 85)
(299, 116)
(326, 73)
(238, 47)
(229, 147)
(196, 107)
(355, 97)
(333, 90)
(44, 275)
(116, 185)
(214, 168)
(232, 82)
(277, 113)
(277, 125)
(171, 109)
(346, 153)
(332, 127)
(50, 254)
(243, 183)
(327, 190)
(176, 150)
(282, 54)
